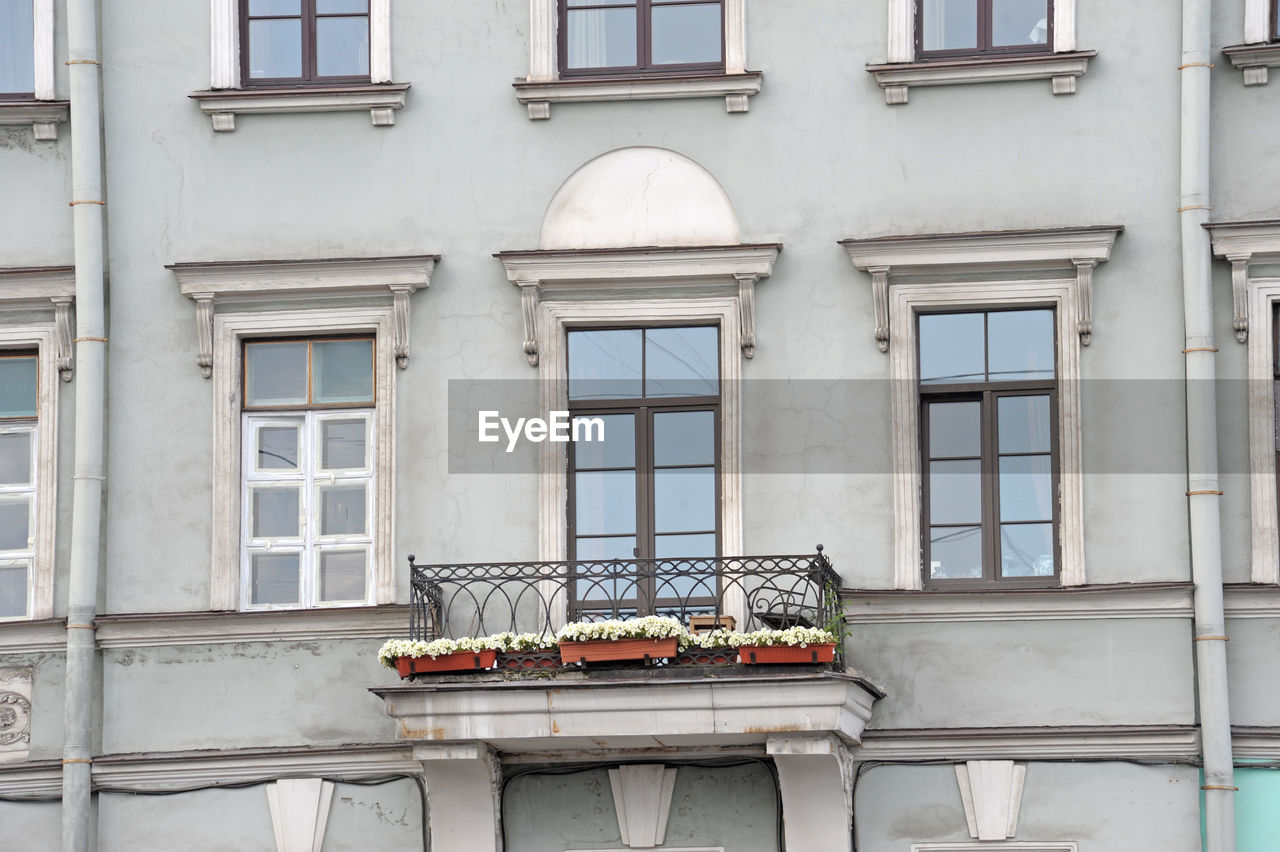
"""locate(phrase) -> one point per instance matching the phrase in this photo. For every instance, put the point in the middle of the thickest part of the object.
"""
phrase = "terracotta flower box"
(763, 654)
(461, 661)
(602, 650)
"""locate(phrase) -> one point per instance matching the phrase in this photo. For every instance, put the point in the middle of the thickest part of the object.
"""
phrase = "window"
(304, 41)
(17, 50)
(960, 27)
(988, 436)
(309, 452)
(19, 457)
(608, 37)
(650, 488)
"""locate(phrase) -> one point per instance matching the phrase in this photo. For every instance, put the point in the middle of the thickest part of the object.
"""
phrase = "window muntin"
(988, 414)
(308, 468)
(292, 41)
(640, 36)
(960, 27)
(19, 455)
(17, 49)
(651, 488)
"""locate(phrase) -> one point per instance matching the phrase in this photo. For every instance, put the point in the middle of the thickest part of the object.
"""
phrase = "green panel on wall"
(1258, 810)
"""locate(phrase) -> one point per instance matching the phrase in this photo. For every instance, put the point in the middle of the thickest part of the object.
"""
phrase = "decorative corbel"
(400, 305)
(204, 331)
(529, 292)
(1084, 299)
(880, 301)
(991, 792)
(747, 312)
(62, 319)
(1240, 292)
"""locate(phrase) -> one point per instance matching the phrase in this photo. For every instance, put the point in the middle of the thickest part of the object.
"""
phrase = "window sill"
(148, 630)
(43, 116)
(734, 88)
(382, 100)
(1254, 60)
(1061, 68)
(1124, 600)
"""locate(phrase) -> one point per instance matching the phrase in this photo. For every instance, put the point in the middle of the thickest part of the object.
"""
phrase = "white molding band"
(1244, 244)
(178, 770)
(1257, 27)
(913, 273)
(29, 636)
(1078, 603)
(998, 846)
(43, 116)
(214, 628)
(208, 284)
(1255, 743)
(1251, 600)
(1133, 742)
(543, 86)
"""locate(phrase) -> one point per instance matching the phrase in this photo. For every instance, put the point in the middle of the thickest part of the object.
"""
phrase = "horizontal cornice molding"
(213, 628)
(1127, 742)
(381, 99)
(1069, 603)
(578, 271)
(896, 78)
(1245, 239)
(1251, 600)
(43, 116)
(33, 637)
(1020, 250)
(34, 780)
(734, 88)
(252, 279)
(1257, 743)
(36, 284)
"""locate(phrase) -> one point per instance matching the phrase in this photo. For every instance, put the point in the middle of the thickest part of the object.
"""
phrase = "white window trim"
(543, 86)
(1244, 245)
(45, 113)
(1070, 253)
(1257, 54)
(902, 70)
(380, 96)
(228, 331)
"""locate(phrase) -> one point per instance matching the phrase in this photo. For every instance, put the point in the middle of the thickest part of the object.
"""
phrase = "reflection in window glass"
(605, 502)
(1026, 550)
(955, 430)
(275, 48)
(955, 553)
(276, 373)
(343, 371)
(16, 456)
(684, 438)
(682, 361)
(17, 47)
(343, 444)
(278, 448)
(13, 590)
(1020, 345)
(18, 386)
(617, 448)
(686, 34)
(684, 500)
(1024, 424)
(951, 348)
(1016, 22)
(605, 364)
(342, 47)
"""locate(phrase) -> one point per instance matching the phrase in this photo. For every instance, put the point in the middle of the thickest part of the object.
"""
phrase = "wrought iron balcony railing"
(538, 597)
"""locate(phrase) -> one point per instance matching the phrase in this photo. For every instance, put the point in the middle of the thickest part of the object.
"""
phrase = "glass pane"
(17, 48)
(955, 553)
(600, 549)
(13, 591)
(1019, 22)
(343, 371)
(684, 437)
(684, 499)
(338, 7)
(955, 429)
(682, 361)
(1023, 424)
(950, 24)
(686, 33)
(275, 512)
(342, 575)
(605, 582)
(275, 48)
(955, 492)
(700, 547)
(15, 458)
(342, 510)
(692, 571)
(601, 38)
(951, 348)
(605, 364)
(275, 7)
(1026, 550)
(1026, 488)
(273, 578)
(1021, 344)
(342, 47)
(18, 393)
(610, 444)
(604, 502)
(343, 444)
(278, 448)
(15, 524)
(276, 373)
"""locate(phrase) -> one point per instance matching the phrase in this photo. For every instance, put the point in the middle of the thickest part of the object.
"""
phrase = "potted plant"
(649, 638)
(713, 647)
(520, 652)
(791, 645)
(410, 657)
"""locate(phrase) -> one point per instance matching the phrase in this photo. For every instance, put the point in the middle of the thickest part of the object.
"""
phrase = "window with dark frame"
(17, 50)
(308, 462)
(989, 447)
(285, 42)
(957, 28)
(650, 489)
(1275, 20)
(19, 454)
(620, 37)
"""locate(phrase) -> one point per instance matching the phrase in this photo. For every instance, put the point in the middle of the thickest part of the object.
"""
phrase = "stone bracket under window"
(45, 287)
(210, 284)
(43, 116)
(1061, 69)
(1254, 60)
(538, 96)
(382, 101)
(639, 272)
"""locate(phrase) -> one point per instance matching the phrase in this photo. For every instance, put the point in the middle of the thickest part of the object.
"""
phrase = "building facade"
(924, 282)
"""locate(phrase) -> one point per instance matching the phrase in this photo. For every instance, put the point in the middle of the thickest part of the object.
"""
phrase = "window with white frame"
(19, 457)
(308, 442)
(26, 68)
(17, 49)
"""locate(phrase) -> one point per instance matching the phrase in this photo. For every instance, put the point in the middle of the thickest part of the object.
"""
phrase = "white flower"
(647, 627)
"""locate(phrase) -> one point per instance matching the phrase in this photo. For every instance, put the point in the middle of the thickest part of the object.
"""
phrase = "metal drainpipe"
(90, 374)
(1203, 489)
